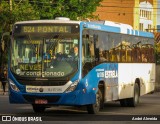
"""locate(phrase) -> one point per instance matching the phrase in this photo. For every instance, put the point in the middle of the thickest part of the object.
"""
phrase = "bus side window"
(103, 56)
(91, 49)
(136, 54)
(151, 54)
(144, 54)
(117, 56)
(128, 55)
(106, 55)
(112, 53)
(88, 54)
(123, 55)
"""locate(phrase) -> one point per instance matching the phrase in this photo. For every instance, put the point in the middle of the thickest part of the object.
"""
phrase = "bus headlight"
(13, 86)
(72, 87)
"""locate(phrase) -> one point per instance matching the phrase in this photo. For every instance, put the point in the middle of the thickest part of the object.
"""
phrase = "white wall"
(158, 12)
(146, 6)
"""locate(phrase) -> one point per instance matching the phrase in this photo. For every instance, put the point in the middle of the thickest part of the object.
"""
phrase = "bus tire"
(95, 108)
(132, 102)
(38, 108)
(123, 102)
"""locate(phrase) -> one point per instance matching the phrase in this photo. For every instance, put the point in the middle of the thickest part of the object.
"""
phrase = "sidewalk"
(1, 92)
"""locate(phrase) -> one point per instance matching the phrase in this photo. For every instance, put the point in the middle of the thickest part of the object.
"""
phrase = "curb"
(6, 94)
(1, 92)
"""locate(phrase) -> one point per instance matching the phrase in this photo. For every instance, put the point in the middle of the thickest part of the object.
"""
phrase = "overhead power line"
(109, 2)
(130, 7)
(122, 12)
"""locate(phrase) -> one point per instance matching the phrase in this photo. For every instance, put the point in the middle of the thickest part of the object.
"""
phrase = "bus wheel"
(123, 102)
(94, 108)
(132, 102)
(38, 108)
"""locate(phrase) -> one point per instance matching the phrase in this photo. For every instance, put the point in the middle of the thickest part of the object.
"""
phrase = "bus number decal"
(111, 74)
(111, 71)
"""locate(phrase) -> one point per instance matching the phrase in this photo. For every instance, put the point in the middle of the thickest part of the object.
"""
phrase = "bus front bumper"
(77, 97)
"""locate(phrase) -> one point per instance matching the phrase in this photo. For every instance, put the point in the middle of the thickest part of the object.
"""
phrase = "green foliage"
(22, 10)
(4, 16)
(74, 9)
(44, 9)
(157, 49)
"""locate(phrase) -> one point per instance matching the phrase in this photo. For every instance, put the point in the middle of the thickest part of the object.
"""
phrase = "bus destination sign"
(45, 29)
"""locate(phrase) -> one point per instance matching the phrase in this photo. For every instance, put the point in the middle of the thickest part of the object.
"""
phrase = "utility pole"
(10, 8)
(10, 5)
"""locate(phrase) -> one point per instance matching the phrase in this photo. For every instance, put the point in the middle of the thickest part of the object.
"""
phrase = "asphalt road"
(148, 107)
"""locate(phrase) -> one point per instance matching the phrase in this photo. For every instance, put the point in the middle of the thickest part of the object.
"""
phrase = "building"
(158, 28)
(158, 13)
(140, 14)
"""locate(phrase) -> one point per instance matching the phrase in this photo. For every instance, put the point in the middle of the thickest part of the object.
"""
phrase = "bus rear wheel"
(132, 102)
(38, 108)
(124, 102)
(94, 108)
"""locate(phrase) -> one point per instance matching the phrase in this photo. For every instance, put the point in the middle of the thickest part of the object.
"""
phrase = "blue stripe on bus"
(128, 31)
(136, 32)
(101, 27)
(146, 34)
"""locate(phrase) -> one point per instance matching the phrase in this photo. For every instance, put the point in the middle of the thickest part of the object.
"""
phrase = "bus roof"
(47, 21)
(117, 28)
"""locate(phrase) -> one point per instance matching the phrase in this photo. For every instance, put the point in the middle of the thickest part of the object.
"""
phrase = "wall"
(125, 11)
(117, 11)
(158, 27)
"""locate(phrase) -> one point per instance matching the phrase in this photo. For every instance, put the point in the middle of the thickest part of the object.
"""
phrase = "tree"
(21, 10)
(43, 9)
(24, 11)
(73, 9)
(4, 16)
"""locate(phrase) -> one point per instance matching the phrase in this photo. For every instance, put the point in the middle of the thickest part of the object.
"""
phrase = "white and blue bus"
(113, 63)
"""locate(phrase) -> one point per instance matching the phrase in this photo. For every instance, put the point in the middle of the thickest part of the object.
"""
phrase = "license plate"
(41, 101)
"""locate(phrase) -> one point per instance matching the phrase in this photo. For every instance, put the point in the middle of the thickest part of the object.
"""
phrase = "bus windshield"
(44, 54)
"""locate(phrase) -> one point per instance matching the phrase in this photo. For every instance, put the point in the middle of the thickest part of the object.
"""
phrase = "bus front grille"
(42, 83)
